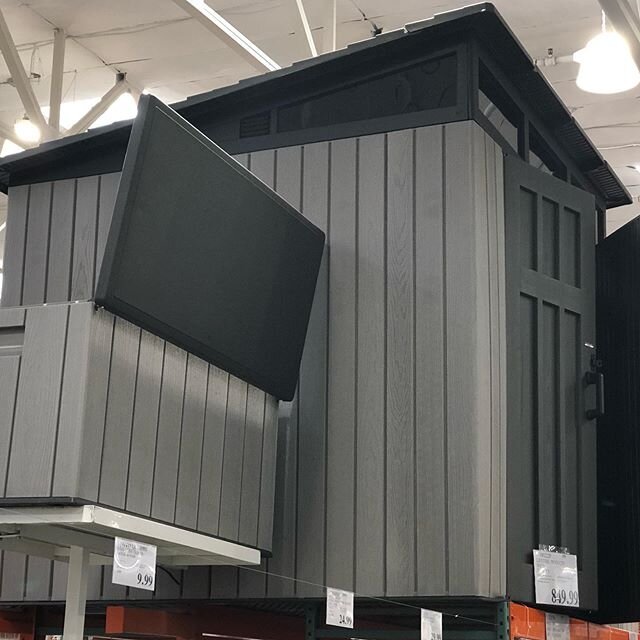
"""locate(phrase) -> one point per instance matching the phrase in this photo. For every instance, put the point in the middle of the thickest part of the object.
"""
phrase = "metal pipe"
(57, 76)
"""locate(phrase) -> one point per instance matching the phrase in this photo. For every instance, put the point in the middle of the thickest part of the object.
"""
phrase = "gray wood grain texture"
(400, 389)
(213, 450)
(116, 445)
(14, 246)
(68, 460)
(389, 402)
(232, 459)
(312, 389)
(61, 241)
(84, 241)
(431, 444)
(163, 503)
(9, 371)
(37, 244)
(341, 366)
(98, 372)
(188, 489)
(36, 420)
(145, 424)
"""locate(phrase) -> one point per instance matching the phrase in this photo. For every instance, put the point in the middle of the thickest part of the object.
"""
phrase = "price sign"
(134, 564)
(556, 578)
(557, 626)
(339, 608)
(430, 625)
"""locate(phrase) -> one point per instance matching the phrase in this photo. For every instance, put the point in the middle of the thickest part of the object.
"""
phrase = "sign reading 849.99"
(556, 578)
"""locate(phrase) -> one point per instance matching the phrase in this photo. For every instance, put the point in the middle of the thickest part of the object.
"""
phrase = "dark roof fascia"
(481, 21)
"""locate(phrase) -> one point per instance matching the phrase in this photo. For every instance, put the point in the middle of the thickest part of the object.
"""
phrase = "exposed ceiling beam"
(98, 109)
(330, 28)
(21, 80)
(214, 22)
(57, 77)
(626, 22)
(307, 28)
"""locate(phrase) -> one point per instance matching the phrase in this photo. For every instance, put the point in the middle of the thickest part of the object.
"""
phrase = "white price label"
(430, 625)
(558, 627)
(340, 608)
(556, 578)
(134, 564)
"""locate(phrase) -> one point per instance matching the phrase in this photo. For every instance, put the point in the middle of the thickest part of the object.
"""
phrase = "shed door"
(551, 445)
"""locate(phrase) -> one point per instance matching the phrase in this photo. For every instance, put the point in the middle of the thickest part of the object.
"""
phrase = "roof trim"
(481, 21)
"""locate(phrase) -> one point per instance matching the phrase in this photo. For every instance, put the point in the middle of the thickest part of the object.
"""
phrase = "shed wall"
(97, 409)
(391, 468)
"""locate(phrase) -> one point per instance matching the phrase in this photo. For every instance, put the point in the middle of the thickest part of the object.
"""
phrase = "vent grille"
(256, 125)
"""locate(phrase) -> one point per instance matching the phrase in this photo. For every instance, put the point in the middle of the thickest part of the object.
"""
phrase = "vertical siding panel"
(100, 348)
(312, 390)
(400, 367)
(38, 402)
(187, 493)
(495, 187)
(212, 450)
(59, 582)
(119, 420)
(461, 300)
(232, 459)
(72, 403)
(250, 583)
(61, 240)
(431, 496)
(289, 186)
(341, 375)
(84, 243)
(14, 573)
(196, 583)
(9, 371)
(268, 475)
(38, 580)
(168, 584)
(503, 424)
(483, 382)
(163, 502)
(37, 244)
(15, 235)
(252, 460)
(224, 582)
(145, 424)
(108, 191)
(371, 424)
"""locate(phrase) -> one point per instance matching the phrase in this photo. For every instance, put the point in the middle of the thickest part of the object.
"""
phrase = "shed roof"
(102, 150)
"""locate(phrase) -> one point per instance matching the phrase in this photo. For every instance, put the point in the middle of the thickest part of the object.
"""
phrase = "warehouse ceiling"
(164, 51)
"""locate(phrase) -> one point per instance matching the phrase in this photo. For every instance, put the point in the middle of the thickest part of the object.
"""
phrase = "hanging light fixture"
(27, 130)
(606, 64)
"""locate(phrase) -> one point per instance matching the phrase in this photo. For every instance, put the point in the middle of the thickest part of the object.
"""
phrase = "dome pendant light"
(27, 130)
(606, 64)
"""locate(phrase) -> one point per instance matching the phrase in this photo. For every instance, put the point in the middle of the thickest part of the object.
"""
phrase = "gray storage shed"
(442, 427)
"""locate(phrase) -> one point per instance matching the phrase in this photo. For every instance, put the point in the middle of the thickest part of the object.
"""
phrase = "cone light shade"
(606, 65)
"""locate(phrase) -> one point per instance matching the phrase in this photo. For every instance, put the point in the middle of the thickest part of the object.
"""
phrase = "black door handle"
(597, 378)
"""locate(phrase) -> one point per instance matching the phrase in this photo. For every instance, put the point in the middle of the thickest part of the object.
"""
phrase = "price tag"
(558, 627)
(556, 578)
(430, 625)
(134, 564)
(340, 608)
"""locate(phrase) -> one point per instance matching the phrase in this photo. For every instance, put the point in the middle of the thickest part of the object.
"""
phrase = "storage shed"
(442, 427)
